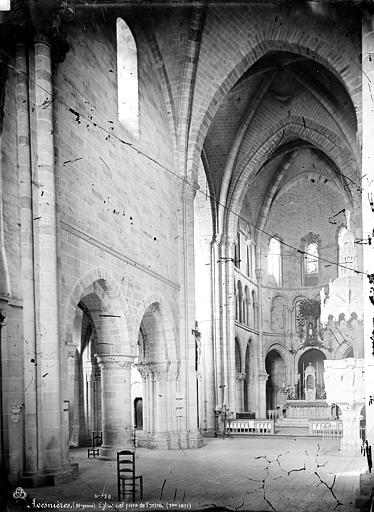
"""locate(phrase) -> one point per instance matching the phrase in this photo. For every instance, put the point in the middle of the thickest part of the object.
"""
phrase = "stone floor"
(252, 473)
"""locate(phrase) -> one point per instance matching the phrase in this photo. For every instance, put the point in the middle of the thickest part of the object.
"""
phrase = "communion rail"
(263, 427)
(326, 428)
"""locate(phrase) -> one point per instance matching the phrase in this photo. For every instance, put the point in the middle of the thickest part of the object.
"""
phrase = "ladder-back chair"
(128, 482)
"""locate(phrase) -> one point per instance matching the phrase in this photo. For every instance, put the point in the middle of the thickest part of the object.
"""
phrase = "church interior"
(186, 225)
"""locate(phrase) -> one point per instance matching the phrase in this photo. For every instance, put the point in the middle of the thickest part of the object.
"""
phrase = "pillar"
(171, 387)
(240, 383)
(262, 375)
(50, 407)
(367, 213)
(191, 437)
(217, 313)
(351, 442)
(228, 307)
(33, 463)
(161, 437)
(115, 402)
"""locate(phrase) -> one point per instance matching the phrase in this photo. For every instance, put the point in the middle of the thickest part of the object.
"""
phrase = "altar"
(316, 409)
(311, 407)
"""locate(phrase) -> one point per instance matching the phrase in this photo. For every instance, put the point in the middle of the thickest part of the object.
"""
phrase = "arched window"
(347, 252)
(247, 304)
(254, 309)
(311, 260)
(310, 247)
(236, 302)
(127, 78)
(275, 260)
(238, 362)
(240, 301)
(237, 252)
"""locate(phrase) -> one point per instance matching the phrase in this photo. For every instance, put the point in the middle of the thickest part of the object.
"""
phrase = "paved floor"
(256, 473)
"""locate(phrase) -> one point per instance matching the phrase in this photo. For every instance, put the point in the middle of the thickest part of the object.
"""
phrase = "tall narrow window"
(275, 260)
(310, 246)
(127, 78)
(312, 258)
(240, 301)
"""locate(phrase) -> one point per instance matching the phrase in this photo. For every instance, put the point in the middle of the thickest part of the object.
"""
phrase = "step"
(294, 422)
(292, 431)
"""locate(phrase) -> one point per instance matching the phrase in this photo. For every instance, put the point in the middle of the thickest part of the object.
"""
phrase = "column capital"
(42, 38)
(240, 376)
(259, 273)
(160, 370)
(216, 239)
(189, 190)
(263, 376)
(115, 361)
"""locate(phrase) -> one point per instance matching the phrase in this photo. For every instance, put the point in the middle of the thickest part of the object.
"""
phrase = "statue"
(310, 383)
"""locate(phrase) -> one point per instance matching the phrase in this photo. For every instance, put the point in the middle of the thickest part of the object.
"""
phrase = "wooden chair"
(127, 480)
(97, 440)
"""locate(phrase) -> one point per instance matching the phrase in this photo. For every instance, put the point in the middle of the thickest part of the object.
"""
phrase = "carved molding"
(114, 361)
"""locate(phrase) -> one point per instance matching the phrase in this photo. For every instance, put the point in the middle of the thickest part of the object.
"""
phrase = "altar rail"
(326, 428)
(250, 427)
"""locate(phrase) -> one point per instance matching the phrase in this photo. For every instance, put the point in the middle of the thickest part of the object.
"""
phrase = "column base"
(60, 476)
(350, 450)
(170, 440)
(110, 452)
(209, 432)
(192, 439)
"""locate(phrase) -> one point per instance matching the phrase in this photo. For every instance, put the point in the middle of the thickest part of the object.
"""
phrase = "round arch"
(277, 374)
(99, 282)
(315, 357)
(157, 307)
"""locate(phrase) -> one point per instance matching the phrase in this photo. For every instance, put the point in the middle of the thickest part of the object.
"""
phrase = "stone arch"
(99, 282)
(278, 314)
(277, 374)
(316, 356)
(247, 305)
(159, 367)
(278, 347)
(249, 380)
(324, 56)
(238, 355)
(157, 307)
(240, 300)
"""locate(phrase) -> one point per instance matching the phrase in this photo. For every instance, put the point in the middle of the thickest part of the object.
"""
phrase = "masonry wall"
(12, 340)
(117, 208)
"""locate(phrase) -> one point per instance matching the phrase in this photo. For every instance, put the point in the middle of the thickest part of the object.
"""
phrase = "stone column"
(116, 402)
(262, 378)
(240, 382)
(187, 383)
(217, 313)
(50, 419)
(33, 453)
(351, 442)
(171, 387)
(229, 306)
(148, 428)
(261, 396)
(367, 213)
(161, 437)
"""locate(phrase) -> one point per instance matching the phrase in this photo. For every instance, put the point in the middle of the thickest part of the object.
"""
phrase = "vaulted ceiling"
(288, 116)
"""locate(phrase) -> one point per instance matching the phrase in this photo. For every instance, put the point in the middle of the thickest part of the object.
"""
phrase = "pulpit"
(310, 383)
